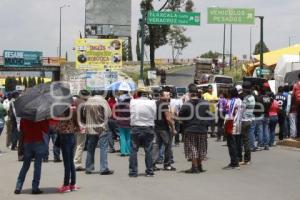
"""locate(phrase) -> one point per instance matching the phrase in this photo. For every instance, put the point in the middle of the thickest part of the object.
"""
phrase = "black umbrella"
(44, 101)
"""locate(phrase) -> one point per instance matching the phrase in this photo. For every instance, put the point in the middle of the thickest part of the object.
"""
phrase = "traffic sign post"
(173, 18)
(262, 72)
(231, 15)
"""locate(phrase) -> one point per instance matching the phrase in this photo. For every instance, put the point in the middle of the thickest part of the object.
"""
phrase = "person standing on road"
(247, 119)
(67, 129)
(81, 136)
(233, 128)
(296, 94)
(122, 112)
(195, 117)
(2, 115)
(52, 135)
(142, 116)
(273, 114)
(212, 99)
(34, 148)
(282, 100)
(112, 123)
(267, 101)
(292, 112)
(97, 113)
(164, 131)
(222, 103)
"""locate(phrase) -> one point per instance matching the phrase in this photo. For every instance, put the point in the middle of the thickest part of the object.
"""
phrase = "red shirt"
(33, 131)
(274, 108)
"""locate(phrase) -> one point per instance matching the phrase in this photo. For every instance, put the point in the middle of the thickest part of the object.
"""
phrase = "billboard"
(98, 54)
(22, 58)
(108, 17)
(100, 80)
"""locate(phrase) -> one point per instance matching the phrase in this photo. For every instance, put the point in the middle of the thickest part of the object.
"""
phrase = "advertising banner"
(108, 17)
(22, 58)
(100, 80)
(98, 54)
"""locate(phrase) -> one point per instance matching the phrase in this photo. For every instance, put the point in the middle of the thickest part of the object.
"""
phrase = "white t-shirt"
(175, 105)
(142, 112)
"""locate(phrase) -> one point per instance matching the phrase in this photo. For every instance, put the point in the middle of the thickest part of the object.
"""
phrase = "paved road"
(272, 175)
(181, 77)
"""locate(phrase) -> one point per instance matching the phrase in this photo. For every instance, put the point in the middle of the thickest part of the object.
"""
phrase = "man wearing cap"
(212, 99)
(247, 119)
(80, 137)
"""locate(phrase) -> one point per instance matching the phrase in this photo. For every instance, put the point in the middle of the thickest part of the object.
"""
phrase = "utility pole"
(230, 61)
(60, 11)
(261, 44)
(224, 46)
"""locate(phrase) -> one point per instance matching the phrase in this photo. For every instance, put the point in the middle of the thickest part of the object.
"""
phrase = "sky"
(34, 25)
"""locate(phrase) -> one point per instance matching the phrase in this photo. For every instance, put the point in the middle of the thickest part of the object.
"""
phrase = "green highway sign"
(231, 15)
(260, 72)
(173, 18)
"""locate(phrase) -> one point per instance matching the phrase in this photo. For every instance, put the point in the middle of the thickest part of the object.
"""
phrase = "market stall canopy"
(271, 58)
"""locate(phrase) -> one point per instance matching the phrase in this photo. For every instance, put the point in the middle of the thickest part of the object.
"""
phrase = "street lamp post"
(224, 46)
(261, 43)
(290, 38)
(60, 11)
(230, 62)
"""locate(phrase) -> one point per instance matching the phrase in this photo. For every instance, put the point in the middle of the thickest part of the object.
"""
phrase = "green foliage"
(211, 54)
(25, 82)
(156, 35)
(177, 40)
(10, 84)
(39, 81)
(20, 81)
(138, 49)
(257, 48)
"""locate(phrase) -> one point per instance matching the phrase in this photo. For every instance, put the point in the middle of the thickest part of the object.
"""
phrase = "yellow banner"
(98, 54)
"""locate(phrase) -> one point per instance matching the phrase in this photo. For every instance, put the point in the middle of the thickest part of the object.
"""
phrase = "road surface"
(273, 174)
(181, 77)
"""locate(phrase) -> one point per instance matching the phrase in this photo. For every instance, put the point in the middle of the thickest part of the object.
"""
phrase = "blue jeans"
(52, 135)
(113, 133)
(272, 124)
(32, 150)
(92, 141)
(15, 138)
(264, 140)
(125, 141)
(256, 129)
(141, 136)
(2, 123)
(67, 144)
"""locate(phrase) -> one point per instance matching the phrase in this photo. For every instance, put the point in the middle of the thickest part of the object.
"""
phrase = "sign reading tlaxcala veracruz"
(98, 54)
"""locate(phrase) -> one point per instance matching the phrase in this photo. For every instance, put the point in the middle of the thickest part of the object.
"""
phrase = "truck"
(204, 67)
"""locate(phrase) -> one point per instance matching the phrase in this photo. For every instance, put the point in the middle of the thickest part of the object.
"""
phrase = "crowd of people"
(246, 118)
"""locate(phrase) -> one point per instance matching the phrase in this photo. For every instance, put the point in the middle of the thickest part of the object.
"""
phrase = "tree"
(211, 54)
(39, 81)
(177, 40)
(30, 82)
(10, 84)
(129, 49)
(33, 81)
(20, 81)
(124, 51)
(25, 82)
(156, 35)
(257, 48)
(138, 50)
